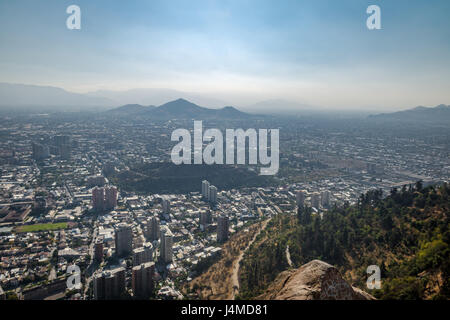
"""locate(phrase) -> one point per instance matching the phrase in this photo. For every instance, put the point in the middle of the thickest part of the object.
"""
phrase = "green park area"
(42, 227)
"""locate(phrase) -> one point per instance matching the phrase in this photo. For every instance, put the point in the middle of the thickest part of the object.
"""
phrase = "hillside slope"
(406, 234)
(216, 283)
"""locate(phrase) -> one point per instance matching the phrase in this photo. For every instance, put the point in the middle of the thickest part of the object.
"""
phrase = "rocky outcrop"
(316, 280)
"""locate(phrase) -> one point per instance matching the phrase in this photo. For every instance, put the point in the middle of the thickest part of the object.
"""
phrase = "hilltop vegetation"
(166, 177)
(406, 234)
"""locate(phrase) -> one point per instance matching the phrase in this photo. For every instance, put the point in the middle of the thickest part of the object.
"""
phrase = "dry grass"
(216, 283)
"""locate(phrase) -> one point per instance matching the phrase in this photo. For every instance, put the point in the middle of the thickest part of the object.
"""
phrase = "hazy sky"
(315, 52)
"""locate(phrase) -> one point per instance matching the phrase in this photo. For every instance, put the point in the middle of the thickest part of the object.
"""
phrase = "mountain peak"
(181, 100)
(229, 108)
(180, 109)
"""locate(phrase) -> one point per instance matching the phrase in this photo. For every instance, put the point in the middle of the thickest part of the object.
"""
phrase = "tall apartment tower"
(222, 228)
(61, 140)
(166, 206)
(325, 198)
(205, 189)
(109, 284)
(166, 245)
(110, 198)
(95, 181)
(40, 151)
(123, 239)
(104, 198)
(152, 229)
(212, 194)
(63, 144)
(143, 254)
(205, 218)
(300, 198)
(315, 200)
(98, 199)
(142, 280)
(98, 250)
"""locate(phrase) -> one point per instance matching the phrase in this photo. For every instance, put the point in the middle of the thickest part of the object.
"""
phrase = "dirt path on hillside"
(217, 282)
(237, 262)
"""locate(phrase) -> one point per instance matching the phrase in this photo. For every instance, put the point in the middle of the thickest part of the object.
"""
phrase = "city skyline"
(244, 151)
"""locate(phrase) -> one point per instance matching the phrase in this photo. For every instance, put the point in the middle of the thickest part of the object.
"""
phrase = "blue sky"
(315, 52)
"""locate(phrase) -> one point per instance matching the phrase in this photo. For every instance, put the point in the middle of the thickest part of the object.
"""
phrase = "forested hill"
(406, 234)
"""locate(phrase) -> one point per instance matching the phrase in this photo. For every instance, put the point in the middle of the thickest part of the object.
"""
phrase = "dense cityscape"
(64, 203)
(224, 159)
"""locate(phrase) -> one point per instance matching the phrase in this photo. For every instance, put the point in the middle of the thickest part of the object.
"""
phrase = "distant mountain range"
(15, 97)
(438, 114)
(178, 109)
(46, 98)
(155, 96)
(35, 98)
(131, 109)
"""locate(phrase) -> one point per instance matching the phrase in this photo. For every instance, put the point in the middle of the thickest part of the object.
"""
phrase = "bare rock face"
(316, 280)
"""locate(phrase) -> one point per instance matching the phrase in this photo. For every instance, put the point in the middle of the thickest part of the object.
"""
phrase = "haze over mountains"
(178, 109)
(16, 97)
(277, 106)
(46, 97)
(155, 96)
(438, 114)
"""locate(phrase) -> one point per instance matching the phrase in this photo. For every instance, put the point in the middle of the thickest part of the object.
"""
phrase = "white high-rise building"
(143, 254)
(104, 198)
(98, 199)
(315, 200)
(325, 198)
(205, 218)
(300, 198)
(110, 197)
(166, 206)
(166, 245)
(223, 224)
(109, 284)
(142, 280)
(152, 229)
(205, 189)
(212, 194)
(123, 239)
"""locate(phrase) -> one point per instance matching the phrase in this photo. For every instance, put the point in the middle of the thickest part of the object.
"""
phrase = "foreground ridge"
(316, 280)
